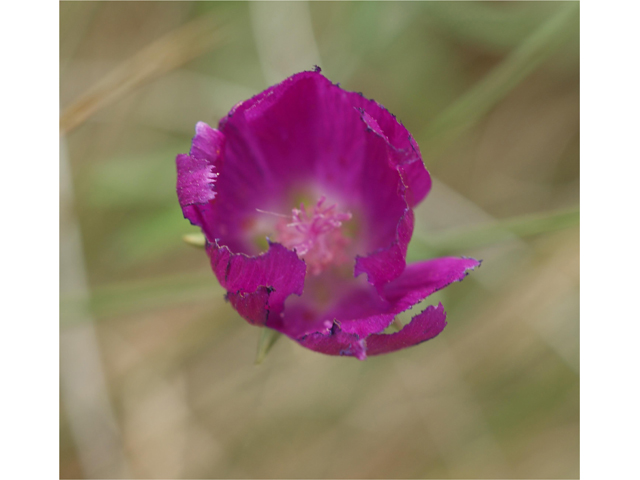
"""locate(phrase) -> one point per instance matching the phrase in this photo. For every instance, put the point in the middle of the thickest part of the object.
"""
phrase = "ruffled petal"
(301, 140)
(252, 306)
(304, 134)
(197, 171)
(416, 178)
(358, 308)
(363, 327)
(424, 326)
(197, 175)
(360, 311)
(404, 152)
(386, 264)
(258, 286)
(351, 303)
(362, 314)
(196, 179)
(336, 342)
(421, 279)
(207, 144)
(306, 138)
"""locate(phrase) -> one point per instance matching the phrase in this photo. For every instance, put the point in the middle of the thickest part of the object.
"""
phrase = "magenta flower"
(301, 190)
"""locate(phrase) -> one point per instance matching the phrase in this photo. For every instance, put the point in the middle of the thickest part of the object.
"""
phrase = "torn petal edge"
(335, 342)
(387, 264)
(418, 281)
(196, 180)
(258, 286)
(424, 326)
(197, 171)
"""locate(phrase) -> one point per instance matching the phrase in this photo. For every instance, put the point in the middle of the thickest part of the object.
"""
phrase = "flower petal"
(300, 140)
(349, 302)
(258, 286)
(196, 171)
(386, 264)
(361, 311)
(424, 326)
(421, 279)
(306, 136)
(196, 178)
(404, 151)
(207, 144)
(197, 174)
(336, 342)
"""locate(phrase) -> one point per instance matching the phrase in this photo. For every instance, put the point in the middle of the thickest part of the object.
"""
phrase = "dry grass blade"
(165, 54)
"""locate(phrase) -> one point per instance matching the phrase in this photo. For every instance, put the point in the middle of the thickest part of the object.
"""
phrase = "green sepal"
(268, 338)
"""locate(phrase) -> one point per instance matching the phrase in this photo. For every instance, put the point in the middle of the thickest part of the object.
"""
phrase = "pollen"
(316, 235)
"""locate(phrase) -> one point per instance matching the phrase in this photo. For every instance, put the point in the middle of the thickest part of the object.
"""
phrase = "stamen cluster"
(316, 235)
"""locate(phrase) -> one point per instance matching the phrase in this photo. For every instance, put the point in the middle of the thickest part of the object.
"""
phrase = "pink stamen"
(316, 236)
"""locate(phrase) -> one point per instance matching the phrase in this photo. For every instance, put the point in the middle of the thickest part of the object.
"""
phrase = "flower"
(300, 191)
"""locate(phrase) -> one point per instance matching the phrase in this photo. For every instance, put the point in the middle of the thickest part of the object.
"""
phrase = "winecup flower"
(305, 195)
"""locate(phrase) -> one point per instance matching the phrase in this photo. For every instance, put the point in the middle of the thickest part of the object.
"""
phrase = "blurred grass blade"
(194, 239)
(163, 55)
(268, 338)
(125, 298)
(473, 105)
(463, 239)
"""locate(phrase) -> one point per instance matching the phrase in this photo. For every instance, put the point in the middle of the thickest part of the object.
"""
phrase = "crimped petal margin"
(424, 326)
(197, 171)
(417, 282)
(336, 342)
(258, 286)
(388, 263)
(421, 279)
(196, 178)
(404, 153)
(207, 144)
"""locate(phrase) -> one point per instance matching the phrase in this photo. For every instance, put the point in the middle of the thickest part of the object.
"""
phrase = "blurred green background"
(157, 371)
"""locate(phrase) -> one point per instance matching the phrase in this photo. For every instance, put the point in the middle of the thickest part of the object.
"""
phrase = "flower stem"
(268, 338)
